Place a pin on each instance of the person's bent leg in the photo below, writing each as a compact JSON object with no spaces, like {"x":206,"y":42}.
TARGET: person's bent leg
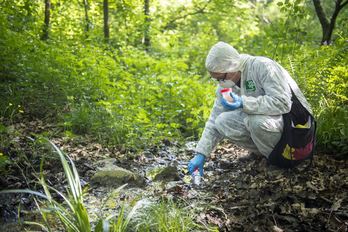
{"x":265,"y":131}
{"x":231,"y":125}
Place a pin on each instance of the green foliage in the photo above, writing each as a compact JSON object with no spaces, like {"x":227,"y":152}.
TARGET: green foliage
{"x":124,"y":96}
{"x":120,"y":99}
{"x":333,"y":113}
{"x":333,"y":130}
{"x":26,"y":79}
{"x":323,"y":76}
{"x":4,"y":143}
{"x":168,"y":216}
{"x":71,"y":213}
{"x":142,"y":100}
{"x":3,"y":162}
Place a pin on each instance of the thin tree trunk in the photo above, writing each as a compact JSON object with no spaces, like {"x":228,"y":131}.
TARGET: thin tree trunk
{"x":86,"y":6}
{"x":147,"y":39}
{"x":326,"y":25}
{"x":46,"y":25}
{"x":106,"y":21}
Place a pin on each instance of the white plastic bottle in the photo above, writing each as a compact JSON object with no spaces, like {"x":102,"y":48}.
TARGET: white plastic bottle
{"x":226,"y":94}
{"x":196,"y":178}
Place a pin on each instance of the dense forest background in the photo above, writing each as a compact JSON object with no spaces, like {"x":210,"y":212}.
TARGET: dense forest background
{"x":131,"y":73}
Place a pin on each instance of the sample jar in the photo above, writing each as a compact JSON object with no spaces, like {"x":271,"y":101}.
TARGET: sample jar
{"x":226,"y":94}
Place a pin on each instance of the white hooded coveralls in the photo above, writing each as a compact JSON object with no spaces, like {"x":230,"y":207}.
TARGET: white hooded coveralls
{"x":266,"y":95}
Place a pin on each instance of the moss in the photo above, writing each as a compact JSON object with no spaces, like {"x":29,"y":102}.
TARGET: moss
{"x":116,"y":177}
{"x":169,"y":173}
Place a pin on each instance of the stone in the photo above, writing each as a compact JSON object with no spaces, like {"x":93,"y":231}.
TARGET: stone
{"x":106,"y":164}
{"x":166,"y":174}
{"x":110,"y":175}
{"x":174,"y":186}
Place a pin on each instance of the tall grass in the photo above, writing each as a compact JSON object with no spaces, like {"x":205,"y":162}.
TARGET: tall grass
{"x":168,"y":216}
{"x":72,"y":213}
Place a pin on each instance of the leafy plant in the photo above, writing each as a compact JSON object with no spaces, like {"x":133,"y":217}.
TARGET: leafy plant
{"x":323,"y":76}
{"x":168,"y":216}
{"x":71,"y":213}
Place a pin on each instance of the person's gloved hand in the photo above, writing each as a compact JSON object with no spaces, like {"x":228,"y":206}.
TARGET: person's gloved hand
{"x":197,"y":162}
{"x":237,"y":102}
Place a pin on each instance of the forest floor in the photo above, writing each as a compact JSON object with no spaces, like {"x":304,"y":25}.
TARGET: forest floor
{"x":236,"y":195}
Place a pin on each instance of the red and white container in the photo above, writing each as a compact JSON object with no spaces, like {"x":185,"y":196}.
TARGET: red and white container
{"x":226,"y":94}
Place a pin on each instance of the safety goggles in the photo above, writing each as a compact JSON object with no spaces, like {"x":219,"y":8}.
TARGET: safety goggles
{"x":219,"y":79}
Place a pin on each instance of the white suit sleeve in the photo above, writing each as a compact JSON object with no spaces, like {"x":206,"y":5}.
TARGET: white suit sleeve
{"x":211,"y":137}
{"x":277,"y":98}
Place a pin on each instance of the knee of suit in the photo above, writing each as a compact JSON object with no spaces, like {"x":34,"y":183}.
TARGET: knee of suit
{"x":255,"y":125}
{"x":263,"y":124}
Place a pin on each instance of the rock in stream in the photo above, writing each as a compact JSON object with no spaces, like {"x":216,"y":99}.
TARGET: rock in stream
{"x":110,"y":175}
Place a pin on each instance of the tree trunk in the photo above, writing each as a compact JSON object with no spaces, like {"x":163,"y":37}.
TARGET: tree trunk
{"x":46,"y":25}
{"x":326,"y":25}
{"x":106,"y":20}
{"x":146,"y":38}
{"x":86,"y":6}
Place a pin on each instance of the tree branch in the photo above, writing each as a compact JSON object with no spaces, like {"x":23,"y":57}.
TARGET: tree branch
{"x":321,"y":14}
{"x":335,"y":14}
{"x":198,"y":11}
{"x":337,"y":10}
{"x":343,"y":4}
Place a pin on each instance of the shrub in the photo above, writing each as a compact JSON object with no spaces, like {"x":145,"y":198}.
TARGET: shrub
{"x":323,"y":76}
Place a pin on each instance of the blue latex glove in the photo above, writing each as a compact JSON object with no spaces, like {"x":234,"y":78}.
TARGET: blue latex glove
{"x":237,"y":102}
{"x":197,"y":162}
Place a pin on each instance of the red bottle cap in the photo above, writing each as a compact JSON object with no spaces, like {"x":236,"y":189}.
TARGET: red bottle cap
{"x":225,"y":90}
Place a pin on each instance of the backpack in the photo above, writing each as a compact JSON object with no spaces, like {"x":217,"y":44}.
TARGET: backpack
{"x":298,"y":139}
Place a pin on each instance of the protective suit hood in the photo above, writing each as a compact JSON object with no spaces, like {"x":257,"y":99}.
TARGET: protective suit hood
{"x":223,"y":58}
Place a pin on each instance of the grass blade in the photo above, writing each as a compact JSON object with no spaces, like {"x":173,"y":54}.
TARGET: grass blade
{"x":36,"y":224}
{"x":36,"y":193}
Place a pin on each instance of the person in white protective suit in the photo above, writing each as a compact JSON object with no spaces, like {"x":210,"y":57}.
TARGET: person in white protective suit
{"x":261,"y":94}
